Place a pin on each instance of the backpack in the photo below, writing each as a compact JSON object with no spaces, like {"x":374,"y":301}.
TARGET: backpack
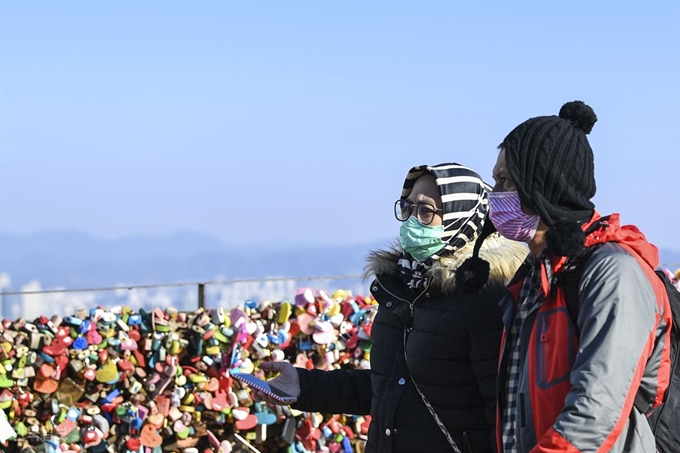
{"x":664,"y":419}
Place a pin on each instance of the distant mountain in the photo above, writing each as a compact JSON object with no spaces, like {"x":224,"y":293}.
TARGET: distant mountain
{"x":77,"y":260}
{"x":670,"y":258}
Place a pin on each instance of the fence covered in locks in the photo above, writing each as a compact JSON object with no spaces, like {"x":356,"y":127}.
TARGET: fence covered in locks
{"x":158,"y":380}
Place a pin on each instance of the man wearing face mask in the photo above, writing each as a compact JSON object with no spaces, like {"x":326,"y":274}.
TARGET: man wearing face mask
{"x":431,"y":386}
{"x":570,"y":376}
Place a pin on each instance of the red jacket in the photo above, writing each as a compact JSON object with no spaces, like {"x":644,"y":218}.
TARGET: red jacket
{"x":578,"y":383}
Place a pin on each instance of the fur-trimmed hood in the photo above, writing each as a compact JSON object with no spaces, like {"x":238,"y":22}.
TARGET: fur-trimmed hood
{"x":504,"y":257}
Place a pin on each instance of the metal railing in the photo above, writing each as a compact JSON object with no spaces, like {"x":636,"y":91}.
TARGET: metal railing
{"x":251,"y":288}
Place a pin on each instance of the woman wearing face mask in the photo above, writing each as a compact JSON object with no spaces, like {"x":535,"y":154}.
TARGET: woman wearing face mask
{"x":431,"y":386}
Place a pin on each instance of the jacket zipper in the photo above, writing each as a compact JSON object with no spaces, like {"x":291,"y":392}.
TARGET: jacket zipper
{"x":544,"y":331}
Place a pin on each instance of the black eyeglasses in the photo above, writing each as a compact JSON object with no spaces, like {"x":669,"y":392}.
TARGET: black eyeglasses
{"x":424,"y":211}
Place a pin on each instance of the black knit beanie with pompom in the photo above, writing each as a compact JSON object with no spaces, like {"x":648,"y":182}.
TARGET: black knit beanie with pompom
{"x":551,"y":163}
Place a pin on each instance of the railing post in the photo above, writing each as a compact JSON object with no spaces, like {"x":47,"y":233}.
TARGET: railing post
{"x":201,"y":295}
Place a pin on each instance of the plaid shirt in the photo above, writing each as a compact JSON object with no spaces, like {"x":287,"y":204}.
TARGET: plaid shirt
{"x":530,"y":297}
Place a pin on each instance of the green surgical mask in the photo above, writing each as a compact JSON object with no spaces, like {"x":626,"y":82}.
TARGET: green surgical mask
{"x":421,"y":241}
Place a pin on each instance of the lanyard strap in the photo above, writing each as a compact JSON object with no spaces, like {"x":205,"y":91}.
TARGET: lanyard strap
{"x":437,"y":420}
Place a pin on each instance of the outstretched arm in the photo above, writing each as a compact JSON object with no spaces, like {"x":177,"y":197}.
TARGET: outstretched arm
{"x":335,"y":392}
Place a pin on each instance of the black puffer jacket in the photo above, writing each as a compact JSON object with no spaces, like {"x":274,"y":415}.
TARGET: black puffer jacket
{"x":452,"y":343}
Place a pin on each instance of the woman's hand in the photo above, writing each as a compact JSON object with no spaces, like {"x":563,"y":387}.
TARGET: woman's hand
{"x":287,"y":380}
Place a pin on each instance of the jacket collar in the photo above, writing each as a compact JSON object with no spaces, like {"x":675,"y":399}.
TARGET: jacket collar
{"x":601,"y":229}
{"x":504,"y":257}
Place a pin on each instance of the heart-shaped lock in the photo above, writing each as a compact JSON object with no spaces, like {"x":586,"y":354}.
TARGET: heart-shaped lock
{"x":304,"y":296}
{"x":24,"y":398}
{"x":128,"y":345}
{"x":264,"y":415}
{"x":133,"y":443}
{"x":126,"y":365}
{"x":219,"y":401}
{"x":134,"y":335}
{"x":337,"y":319}
{"x":90,"y":436}
{"x":212,"y":385}
{"x":20,"y":429}
{"x":324,"y":332}
{"x":57,"y":347}
{"x":5,"y":381}
{"x":304,"y":321}
{"x":178,"y":426}
{"x":207,"y":401}
{"x":163,"y":404}
{"x":93,"y":337}
{"x":240,"y":413}
{"x":183,"y":434}
{"x":61,"y":362}
{"x":334,"y":310}
{"x":247,"y":423}
{"x":149,"y":437}
{"x":156,"y":419}
{"x":108,"y":373}
{"x":64,"y":428}
{"x":62,"y":332}
{"x":175,"y":414}
{"x":45,"y":371}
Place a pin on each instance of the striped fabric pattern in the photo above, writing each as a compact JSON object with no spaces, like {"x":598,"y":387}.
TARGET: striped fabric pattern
{"x":509,"y":219}
{"x":464,"y":202}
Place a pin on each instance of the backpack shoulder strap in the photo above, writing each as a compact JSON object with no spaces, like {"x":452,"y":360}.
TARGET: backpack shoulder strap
{"x":570,"y":277}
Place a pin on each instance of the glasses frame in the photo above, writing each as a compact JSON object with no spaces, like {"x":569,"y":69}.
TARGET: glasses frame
{"x":434,"y":209}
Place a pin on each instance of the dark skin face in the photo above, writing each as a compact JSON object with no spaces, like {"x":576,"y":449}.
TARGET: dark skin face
{"x":504,"y":183}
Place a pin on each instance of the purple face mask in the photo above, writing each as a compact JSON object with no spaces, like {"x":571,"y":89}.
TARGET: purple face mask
{"x":505,"y":212}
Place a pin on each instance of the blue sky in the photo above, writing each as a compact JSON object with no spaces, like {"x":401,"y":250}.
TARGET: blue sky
{"x":261,"y":122}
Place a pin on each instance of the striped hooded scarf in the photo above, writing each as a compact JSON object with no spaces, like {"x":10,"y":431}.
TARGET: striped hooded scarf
{"x":465,"y":205}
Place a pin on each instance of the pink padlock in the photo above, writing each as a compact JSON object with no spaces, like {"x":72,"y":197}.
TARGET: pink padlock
{"x":90,"y":374}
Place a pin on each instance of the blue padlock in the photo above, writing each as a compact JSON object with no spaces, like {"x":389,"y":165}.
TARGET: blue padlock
{"x":72,"y":320}
{"x":79,"y":344}
{"x":347,"y":445}
{"x":109,"y":398}
{"x":85,"y":327}
{"x":136,"y":424}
